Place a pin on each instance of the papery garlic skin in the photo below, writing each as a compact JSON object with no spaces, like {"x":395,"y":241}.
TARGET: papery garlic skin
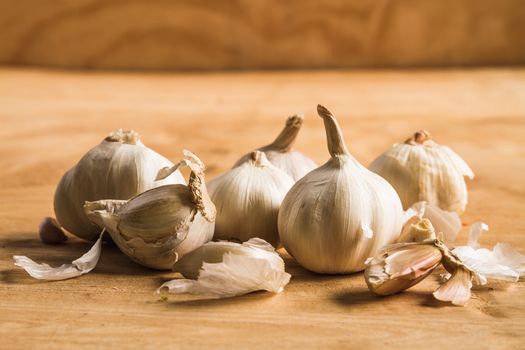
{"x":120,"y":167}
{"x":281,"y":154}
{"x":157,"y":227}
{"x":227,"y":269}
{"x":248,"y":198}
{"x":339,"y":214}
{"x":422,"y":170}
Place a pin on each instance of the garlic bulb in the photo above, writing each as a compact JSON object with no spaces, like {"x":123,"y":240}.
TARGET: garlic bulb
{"x":120,"y":167}
{"x":281,"y":154}
{"x":339,"y":214}
{"x":248,"y":198}
{"x":226,"y":269}
{"x":421,"y":170}
{"x":157,"y":227}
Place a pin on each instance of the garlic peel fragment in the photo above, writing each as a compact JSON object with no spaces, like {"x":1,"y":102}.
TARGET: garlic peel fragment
{"x":456,"y":289}
{"x":80,"y":266}
{"x":227,"y":269}
{"x":501,"y":263}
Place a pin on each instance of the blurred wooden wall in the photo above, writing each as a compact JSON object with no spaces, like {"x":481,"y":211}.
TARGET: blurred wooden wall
{"x":260,"y":34}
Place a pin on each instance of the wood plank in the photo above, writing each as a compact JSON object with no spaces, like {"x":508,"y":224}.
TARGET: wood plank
{"x":49,"y":119}
{"x":261,"y":34}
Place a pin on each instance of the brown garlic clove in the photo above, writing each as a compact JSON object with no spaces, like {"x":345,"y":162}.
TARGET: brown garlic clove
{"x":50,"y":232}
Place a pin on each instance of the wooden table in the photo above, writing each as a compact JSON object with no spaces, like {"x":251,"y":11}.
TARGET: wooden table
{"x":49,"y":119}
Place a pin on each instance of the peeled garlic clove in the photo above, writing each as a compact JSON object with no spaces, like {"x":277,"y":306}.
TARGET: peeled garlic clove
{"x":281,"y":154}
{"x":120,"y":167}
{"x":339,"y":214}
{"x":422,"y":170}
{"x":157,"y":227}
{"x":227,"y":269}
{"x":248,"y":198}
{"x":447,"y":222}
{"x":81,"y":266}
{"x":400,"y":266}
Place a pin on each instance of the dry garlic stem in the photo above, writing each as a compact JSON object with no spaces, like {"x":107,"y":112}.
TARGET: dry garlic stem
{"x":281,"y":154}
{"x":248,"y":198}
{"x":118,"y":168}
{"x":339,"y":214}
{"x":157,"y":227}
{"x":421,"y":170}
{"x":227,"y":269}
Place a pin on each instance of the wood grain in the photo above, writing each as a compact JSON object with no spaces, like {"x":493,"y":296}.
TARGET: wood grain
{"x":261,"y":34}
{"x":48,"y":120}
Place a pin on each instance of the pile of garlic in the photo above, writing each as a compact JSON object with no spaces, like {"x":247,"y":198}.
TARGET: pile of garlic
{"x":337,"y":218}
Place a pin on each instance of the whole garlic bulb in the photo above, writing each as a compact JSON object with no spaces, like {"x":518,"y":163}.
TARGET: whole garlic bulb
{"x":157,"y":227}
{"x":248,"y":198}
{"x":120,"y":167}
{"x":281,"y":154}
{"x":339,"y":214}
{"x":421,"y":170}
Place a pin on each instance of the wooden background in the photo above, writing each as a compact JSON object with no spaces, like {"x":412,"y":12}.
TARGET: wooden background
{"x":260,"y":34}
{"x":49,"y":120}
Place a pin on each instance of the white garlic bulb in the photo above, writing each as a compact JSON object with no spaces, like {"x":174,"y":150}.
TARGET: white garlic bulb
{"x":339,"y":214}
{"x":157,"y":227}
{"x":120,"y":167}
{"x":248,"y":198}
{"x":281,"y":154}
{"x":421,"y":170}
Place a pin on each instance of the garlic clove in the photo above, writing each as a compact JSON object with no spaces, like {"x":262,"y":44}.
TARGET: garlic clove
{"x":447,"y":222}
{"x":227,"y":269}
{"x":281,"y":154}
{"x":157,"y":227}
{"x":247,"y":199}
{"x":422,"y":170}
{"x":80,"y":266}
{"x":50,"y":232}
{"x":120,"y":167}
{"x":400,"y":266}
{"x":339,"y":214}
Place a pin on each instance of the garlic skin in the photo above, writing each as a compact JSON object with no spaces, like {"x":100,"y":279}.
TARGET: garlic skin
{"x":120,"y":167}
{"x":281,"y":154}
{"x":422,"y":170}
{"x":227,"y":269}
{"x":339,"y":214}
{"x":157,"y":227}
{"x":248,"y":198}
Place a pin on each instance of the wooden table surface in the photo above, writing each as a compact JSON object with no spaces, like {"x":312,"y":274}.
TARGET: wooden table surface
{"x":48,"y":120}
